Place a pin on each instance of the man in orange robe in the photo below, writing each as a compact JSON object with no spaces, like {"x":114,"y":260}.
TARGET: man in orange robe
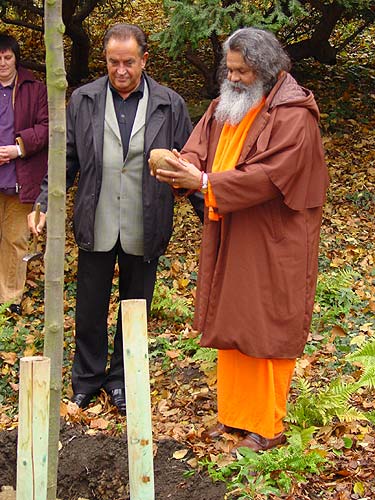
{"x":257,"y":155}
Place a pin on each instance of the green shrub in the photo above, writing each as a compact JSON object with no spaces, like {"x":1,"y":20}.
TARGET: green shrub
{"x":270,"y":472}
{"x":167,"y":305}
{"x":335,"y":298}
{"x":319,"y":405}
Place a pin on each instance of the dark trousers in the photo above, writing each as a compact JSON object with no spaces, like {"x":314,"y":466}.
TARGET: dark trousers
{"x":94,"y":283}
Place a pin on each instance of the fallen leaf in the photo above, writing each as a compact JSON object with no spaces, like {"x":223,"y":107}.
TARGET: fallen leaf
{"x":337,"y":331}
{"x":95,"y":409}
{"x":72,"y":408}
{"x":193,"y":462}
{"x":344,"y":473}
{"x":9,"y":357}
{"x":29,"y":351}
{"x":173,"y":354}
{"x":99,"y":423}
{"x":344,"y":495}
{"x":359,"y":488}
{"x":179,"y":454}
{"x":92,"y":432}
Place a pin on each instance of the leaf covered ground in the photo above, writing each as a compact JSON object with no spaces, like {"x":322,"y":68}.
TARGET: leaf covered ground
{"x":183,"y":377}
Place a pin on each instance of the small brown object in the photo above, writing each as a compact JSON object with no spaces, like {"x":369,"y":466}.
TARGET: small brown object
{"x":256,"y":442}
{"x":157,"y":160}
{"x":217,"y":431}
{"x":34,"y":252}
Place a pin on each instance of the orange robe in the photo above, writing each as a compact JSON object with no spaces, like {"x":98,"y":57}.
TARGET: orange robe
{"x":252,"y":392}
{"x":230,"y":145}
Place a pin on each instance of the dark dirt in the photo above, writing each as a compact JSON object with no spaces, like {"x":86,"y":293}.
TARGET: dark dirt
{"x":96,"y":467}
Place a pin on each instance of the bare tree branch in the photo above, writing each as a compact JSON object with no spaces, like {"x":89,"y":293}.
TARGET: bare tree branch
{"x":198,"y":63}
{"x":354,"y":35}
{"x":86,"y":10}
{"x":209,"y":73}
{"x":39,"y":11}
{"x":18,"y":22}
{"x":33,"y":65}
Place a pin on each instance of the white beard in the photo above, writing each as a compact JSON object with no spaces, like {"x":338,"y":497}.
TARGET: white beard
{"x":236,"y":99}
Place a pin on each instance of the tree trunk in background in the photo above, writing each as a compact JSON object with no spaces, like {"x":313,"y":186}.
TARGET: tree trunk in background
{"x":30,"y":15}
{"x":79,"y":55}
{"x":318,"y":46}
{"x":73,"y":19}
{"x":54,"y":259}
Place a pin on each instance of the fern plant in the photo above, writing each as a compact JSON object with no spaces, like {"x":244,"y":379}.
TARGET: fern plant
{"x":365,"y":356}
{"x":318,"y":406}
{"x":271,"y":472}
{"x":3,"y":308}
{"x":167,"y":305}
{"x":335,"y":298}
{"x":205,"y":355}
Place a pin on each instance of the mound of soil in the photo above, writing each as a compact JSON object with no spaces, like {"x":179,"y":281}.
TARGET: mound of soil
{"x":95,"y":467}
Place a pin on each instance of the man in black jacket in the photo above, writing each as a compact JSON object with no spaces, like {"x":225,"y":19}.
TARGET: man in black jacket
{"x":121,"y":213}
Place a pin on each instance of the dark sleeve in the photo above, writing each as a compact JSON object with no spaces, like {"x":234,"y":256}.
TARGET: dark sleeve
{"x":72,"y":162}
{"x":196,"y":148}
{"x":35,"y":138}
{"x":197,"y":201}
{"x":182,"y":132}
{"x":183,"y":126}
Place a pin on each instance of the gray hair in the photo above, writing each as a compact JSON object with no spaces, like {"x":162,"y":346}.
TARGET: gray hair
{"x":123,"y":31}
{"x":261,"y":51}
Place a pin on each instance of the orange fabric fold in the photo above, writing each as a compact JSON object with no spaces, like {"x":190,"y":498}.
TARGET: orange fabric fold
{"x":252,"y":392}
{"x":228,"y":151}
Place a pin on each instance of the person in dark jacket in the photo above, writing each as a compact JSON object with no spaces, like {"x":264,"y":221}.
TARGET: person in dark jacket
{"x":121,"y":213}
{"x":23,"y":164}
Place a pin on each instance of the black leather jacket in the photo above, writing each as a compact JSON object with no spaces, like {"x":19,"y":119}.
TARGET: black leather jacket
{"x":167,"y":126}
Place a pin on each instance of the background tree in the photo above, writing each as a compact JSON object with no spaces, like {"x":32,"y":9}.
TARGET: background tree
{"x":306,"y":27}
{"x":315,"y":28}
{"x":29,"y":14}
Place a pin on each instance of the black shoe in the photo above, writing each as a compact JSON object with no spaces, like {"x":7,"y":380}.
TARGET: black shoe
{"x":81,"y":399}
{"x":15,"y":309}
{"x":117,"y":397}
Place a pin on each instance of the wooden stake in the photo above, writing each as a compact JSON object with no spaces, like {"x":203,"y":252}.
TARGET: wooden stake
{"x":138,"y":400}
{"x":32,"y":449}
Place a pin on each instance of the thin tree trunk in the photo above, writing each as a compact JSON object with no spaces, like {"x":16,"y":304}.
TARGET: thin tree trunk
{"x":318,"y":45}
{"x":54,"y":259}
{"x":80,"y":51}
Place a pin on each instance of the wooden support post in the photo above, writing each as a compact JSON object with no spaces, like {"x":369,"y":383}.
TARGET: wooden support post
{"x":32,"y":449}
{"x":138,"y":399}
